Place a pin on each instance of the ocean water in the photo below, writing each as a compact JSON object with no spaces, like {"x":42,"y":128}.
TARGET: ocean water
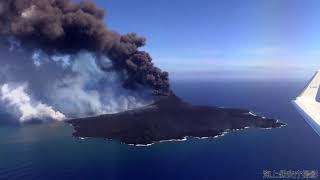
{"x":48,"y":151}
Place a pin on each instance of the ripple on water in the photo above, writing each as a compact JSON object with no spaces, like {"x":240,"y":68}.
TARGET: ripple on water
{"x":22,"y":170}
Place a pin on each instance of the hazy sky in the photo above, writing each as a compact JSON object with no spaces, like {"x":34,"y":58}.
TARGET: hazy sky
{"x":215,"y":37}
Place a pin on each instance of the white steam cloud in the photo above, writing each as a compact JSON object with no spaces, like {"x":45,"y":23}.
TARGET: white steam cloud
{"x":29,"y":12}
{"x":91,"y":91}
{"x":18,"y":100}
{"x":35,"y":85}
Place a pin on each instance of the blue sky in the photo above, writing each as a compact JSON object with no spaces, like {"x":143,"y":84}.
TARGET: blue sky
{"x":241,"y":38}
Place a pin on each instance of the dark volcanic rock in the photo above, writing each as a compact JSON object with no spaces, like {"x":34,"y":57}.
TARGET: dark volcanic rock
{"x":168,"y":118}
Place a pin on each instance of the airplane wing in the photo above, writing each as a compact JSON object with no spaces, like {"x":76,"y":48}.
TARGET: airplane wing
{"x":307,"y":104}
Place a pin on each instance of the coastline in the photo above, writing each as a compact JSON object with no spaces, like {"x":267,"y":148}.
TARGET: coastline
{"x":186,"y":138}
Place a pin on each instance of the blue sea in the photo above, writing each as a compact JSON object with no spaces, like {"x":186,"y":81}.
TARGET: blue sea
{"x":48,"y":151}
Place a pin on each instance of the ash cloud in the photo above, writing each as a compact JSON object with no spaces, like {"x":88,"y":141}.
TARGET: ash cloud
{"x":66,"y":27}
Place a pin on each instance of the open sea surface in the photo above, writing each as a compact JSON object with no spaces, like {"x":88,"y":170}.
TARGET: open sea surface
{"x":48,"y":151}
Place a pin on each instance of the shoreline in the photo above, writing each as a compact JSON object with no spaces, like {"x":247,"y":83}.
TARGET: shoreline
{"x":186,"y":138}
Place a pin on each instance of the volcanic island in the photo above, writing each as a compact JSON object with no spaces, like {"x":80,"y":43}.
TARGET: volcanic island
{"x":167,"y":119}
{"x":68,"y":27}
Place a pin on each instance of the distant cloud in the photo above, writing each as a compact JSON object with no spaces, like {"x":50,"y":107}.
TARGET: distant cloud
{"x":268,"y":61}
{"x":267,"y":51}
{"x":261,"y":51}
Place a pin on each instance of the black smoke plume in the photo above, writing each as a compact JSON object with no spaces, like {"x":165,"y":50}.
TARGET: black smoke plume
{"x":67,"y":27}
